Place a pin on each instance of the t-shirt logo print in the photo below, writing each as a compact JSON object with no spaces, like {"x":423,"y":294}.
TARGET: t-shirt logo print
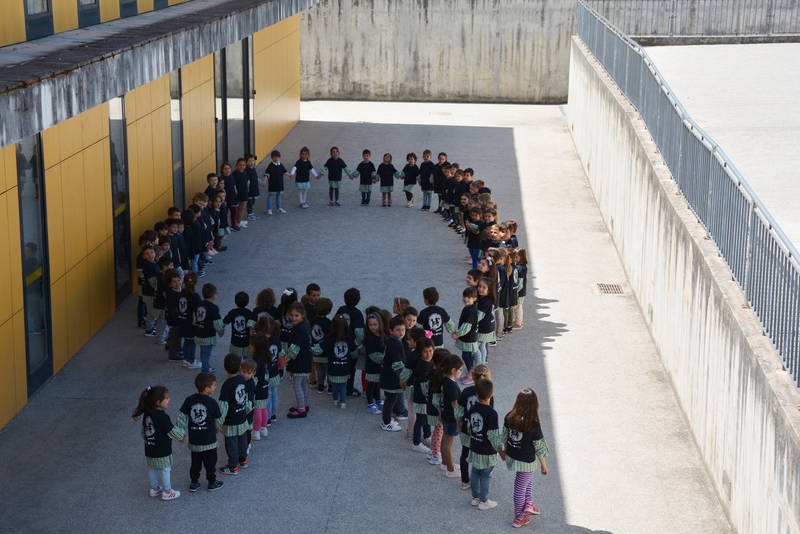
{"x":471,"y":401}
{"x":239,"y":324}
{"x":435,"y":322}
{"x":476,"y":421}
{"x":183,"y":305}
{"x":514,"y":436}
{"x":200,"y":314}
{"x":149,"y":429}
{"x":273,"y":350}
{"x":346,"y":318}
{"x":317,"y":333}
{"x":287,"y":323}
{"x":198,"y":414}
{"x":340,"y":349}
{"x":240,"y":394}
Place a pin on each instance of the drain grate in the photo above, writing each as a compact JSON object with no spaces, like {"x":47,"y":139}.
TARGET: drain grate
{"x":610,"y":289}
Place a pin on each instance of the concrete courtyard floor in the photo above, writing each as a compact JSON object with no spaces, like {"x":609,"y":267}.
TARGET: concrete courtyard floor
{"x":622,"y":458}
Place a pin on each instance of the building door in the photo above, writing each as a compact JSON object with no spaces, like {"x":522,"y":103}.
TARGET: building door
{"x":123,"y":266}
{"x":35,"y":261}
{"x":38,"y":19}
{"x":233,"y":93}
{"x":88,"y":13}
{"x":128,"y":8}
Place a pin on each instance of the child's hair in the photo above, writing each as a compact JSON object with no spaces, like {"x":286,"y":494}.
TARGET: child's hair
{"x":366,"y":152}
{"x":438,"y":357}
{"x":263,"y":325}
{"x":275,"y":154}
{"x":288,"y":297}
{"x":456,"y":166}
{"x":525,"y":411}
{"x":450,"y":363}
{"x":223,"y":165}
{"x":265,"y":298}
{"x":492,"y":274}
{"x":410,"y":310}
{"x":195,"y":209}
{"x":443,"y":154}
{"x":296,"y":306}
{"x":478,"y":183}
{"x":249,"y":366}
{"x":314,"y":287}
{"x":459,"y":172}
{"x":143,"y":239}
{"x":323,"y":307}
{"x":210,"y":175}
{"x":249,"y":156}
{"x":204,"y":380}
{"x":232,"y":363}
{"x":476,"y":209}
{"x":148,"y":400}
{"x":476,"y":274}
{"x":416,"y":334}
{"x":386,"y":316}
{"x":152,"y":235}
{"x":173,"y":210}
{"x":396,"y":321}
{"x":470,"y":292}
{"x":484,"y":197}
{"x":426,"y":152}
{"x":390,"y":157}
{"x":190,"y":282}
{"x":469,"y":171}
{"x":446,"y":166}
{"x":352,"y":297}
{"x":411,"y":155}
{"x":159,"y":252}
{"x":334,"y":148}
{"x":339,"y":329}
{"x":522,"y":254}
{"x":484,"y":389}
{"x":202,"y":197}
{"x":485,"y":191}
{"x":381,"y":327}
{"x":491,"y":289}
{"x":261,"y":354}
{"x":164,"y":261}
{"x":161,"y":241}
{"x":209,"y":290}
{"x":502,"y":227}
{"x":187,"y":216}
{"x":500,"y":256}
{"x":306,"y":150}
{"x":240,"y":160}
{"x":424,"y":342}
{"x":399,"y":304}
{"x":241,"y":299}
{"x":430,"y":295}
{"x":170,"y":275}
{"x":160,"y":225}
{"x":480,"y":370}
{"x":512,"y":225}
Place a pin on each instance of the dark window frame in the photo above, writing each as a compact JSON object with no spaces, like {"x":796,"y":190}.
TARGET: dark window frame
{"x":38,"y":25}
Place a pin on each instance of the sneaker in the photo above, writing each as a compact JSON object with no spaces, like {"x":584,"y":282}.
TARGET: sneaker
{"x":297,"y":415}
{"x":255,"y":436}
{"x":269,"y":212}
{"x":342,"y":405}
{"x":467,"y":381}
{"x":294,"y":409}
{"x":321,"y":388}
{"x":436,"y":460}
{"x":420,"y":448}
{"x":194,"y":365}
{"x":330,"y":390}
{"x":388,"y":204}
{"x":194,"y":486}
{"x":465,"y":486}
{"x":530,"y":509}
{"x":175,"y":358}
{"x":208,"y":262}
{"x":236,"y":229}
{"x":488,"y":505}
{"x":521,"y":522}
{"x":273,"y":418}
{"x":252,"y":216}
{"x":336,"y":403}
{"x":141,"y":325}
{"x":379,"y":403}
{"x":243,"y":464}
{"x":243,"y":224}
{"x":161,"y":342}
{"x":201,"y":274}
{"x":210,"y":369}
{"x":156,"y":492}
{"x":455,"y":473}
{"x":331,"y":202}
{"x":391,"y":427}
{"x":493,"y":343}
{"x":518,"y":327}
{"x":400,"y":417}
{"x":304,"y":206}
{"x":426,"y":442}
{"x":373,"y":408}
{"x":150,"y":333}
{"x":409,"y":204}
{"x":215,"y":486}
{"x":355,"y":393}
{"x":170,"y":494}
{"x":264,"y":432}
{"x":475,"y":501}
{"x":233,"y":471}
{"x":336,"y":202}
{"x":281,"y":210}
{"x":185,"y":363}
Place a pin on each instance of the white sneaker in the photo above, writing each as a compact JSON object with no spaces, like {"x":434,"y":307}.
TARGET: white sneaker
{"x":343,"y":405}
{"x":391,"y":427}
{"x":410,"y":204}
{"x":475,"y":501}
{"x":168,"y":495}
{"x":264,"y":432}
{"x":281,"y":210}
{"x":243,"y":224}
{"x":420,"y":448}
{"x":336,"y":403}
{"x":255,"y":436}
{"x":488,"y":505}
{"x":269,"y":212}
{"x":195,"y":365}
{"x":156,"y":492}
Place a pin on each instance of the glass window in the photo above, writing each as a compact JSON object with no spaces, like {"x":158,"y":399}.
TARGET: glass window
{"x":219,"y":95}
{"x":36,"y":286}
{"x":36,"y":7}
{"x":251,"y":96}
{"x":87,"y":2}
{"x":234,"y":102}
{"x":178,"y":189}
{"x":234,"y":98}
{"x":119,"y":199}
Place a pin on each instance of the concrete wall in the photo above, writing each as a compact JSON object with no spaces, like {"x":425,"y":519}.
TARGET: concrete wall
{"x":437,"y":50}
{"x":741,"y":406}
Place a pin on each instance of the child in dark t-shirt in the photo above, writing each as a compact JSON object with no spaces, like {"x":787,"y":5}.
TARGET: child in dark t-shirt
{"x":201,"y":418}
{"x":233,"y":406}
{"x":242,"y":322}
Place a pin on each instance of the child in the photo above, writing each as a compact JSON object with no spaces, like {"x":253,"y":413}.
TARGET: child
{"x":212,"y":180}
{"x":513,"y":288}
{"x":219,"y":212}
{"x":445,"y":380}
{"x":242,"y":186}
{"x":233,"y":407}
{"x":201,"y":414}
{"x":467,"y":334}
{"x":386,"y":172}
{"x":422,"y":427}
{"x":333,"y":168}
{"x":439,"y":179}
{"x":485,"y":440}
{"x":259,"y":346}
{"x":433,"y":399}
{"x":288,"y":297}
{"x":399,"y":304}
{"x":298,"y":352}
{"x":313,"y":294}
{"x":173,"y":282}
{"x":524,"y":445}
{"x":466,"y":400}
{"x":500,"y":260}
{"x":242,"y":322}
{"x":412,"y":337}
{"x":320,"y":327}
{"x":187,"y":304}
{"x":276,"y":353}
{"x":521,"y":259}
{"x":253,"y":191}
{"x":394,"y":358}
{"x":366,"y":173}
{"x":486,"y":327}
{"x":273,"y":175}
{"x":410,"y":175}
{"x":193,"y":239}
{"x":160,"y":300}
{"x":510,"y":237}
{"x":302,"y":172}
{"x":158,"y":431}
{"x":475,"y":275}
{"x":374,"y":343}
{"x":425,"y":179}
{"x":227,"y":179}
{"x":207,"y":321}
{"x":355,"y":319}
{"x":474,"y":227}
{"x":435,"y":318}
{"x":248,"y":371}
{"x":447,"y":190}
{"x":338,"y":348}
{"x":265,"y":304}
{"x":147,"y":269}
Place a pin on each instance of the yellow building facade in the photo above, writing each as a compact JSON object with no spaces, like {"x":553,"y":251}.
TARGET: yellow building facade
{"x":75,"y":197}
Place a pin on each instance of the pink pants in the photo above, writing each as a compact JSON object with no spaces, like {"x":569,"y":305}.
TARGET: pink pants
{"x":436,"y":440}
{"x":260,"y":418}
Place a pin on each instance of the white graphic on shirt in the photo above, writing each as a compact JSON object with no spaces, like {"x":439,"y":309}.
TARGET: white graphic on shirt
{"x":346,"y":318}
{"x":340,"y":349}
{"x":198,"y":413}
{"x":287,"y":323}
{"x":476,"y":422}
{"x":240,"y":324}
{"x":261,"y":314}
{"x":515,"y":276}
{"x":317,"y":333}
{"x":514,"y":436}
{"x":149,"y":429}
{"x":435,"y":322}
{"x":200,"y":314}
{"x":240,"y":394}
{"x":183,"y":304}
{"x":274,"y":350}
{"x":471,"y":401}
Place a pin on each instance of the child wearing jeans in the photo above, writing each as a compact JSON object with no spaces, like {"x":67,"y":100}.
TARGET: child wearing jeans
{"x":485,"y":440}
{"x":273,"y":175}
{"x":207,"y":322}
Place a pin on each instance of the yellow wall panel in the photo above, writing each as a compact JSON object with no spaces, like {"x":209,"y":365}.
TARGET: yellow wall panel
{"x":14,"y":252}
{"x":162,"y":204}
{"x":98,"y":205}
{"x":143,"y":100}
{"x":92,"y":125}
{"x":133,"y":170}
{"x":100,"y":269}
{"x":70,"y":137}
{"x":55,"y":222}
{"x":78,"y":299}
{"x":135,"y":233}
{"x":162,"y":150}
{"x":20,"y":365}
{"x":7,"y":240}
{"x":106,"y":144}
{"x":12,"y":23}
{"x":73,"y":196}
{"x":145,"y":5}
{"x":109,"y":10}
{"x":131,"y":114}
{"x":59,"y":330}
{"x":65,"y":15}
{"x":144,"y":136}
{"x":8,"y":386}
{"x":8,"y":168}
{"x":52,"y":147}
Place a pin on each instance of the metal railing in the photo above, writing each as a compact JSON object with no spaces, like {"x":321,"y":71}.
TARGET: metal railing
{"x":762,"y":259}
{"x":701,"y":18}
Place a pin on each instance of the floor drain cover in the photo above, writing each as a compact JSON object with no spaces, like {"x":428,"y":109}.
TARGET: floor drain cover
{"x":610,"y":289}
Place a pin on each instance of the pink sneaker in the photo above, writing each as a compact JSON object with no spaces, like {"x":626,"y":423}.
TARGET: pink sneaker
{"x":521,"y":522}
{"x":530,"y":509}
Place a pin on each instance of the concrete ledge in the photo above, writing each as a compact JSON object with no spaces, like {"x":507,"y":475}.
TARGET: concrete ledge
{"x":741,"y":406}
{"x":49,"y":80}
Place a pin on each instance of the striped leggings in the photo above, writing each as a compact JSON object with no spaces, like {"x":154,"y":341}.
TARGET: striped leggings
{"x":523,"y":483}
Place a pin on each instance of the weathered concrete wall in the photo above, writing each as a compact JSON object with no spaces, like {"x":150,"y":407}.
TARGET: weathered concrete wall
{"x":742,"y":408}
{"x":437,"y":50}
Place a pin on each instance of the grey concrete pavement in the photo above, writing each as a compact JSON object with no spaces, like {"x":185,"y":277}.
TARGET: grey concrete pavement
{"x":622,"y":459}
{"x":746,"y":98}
